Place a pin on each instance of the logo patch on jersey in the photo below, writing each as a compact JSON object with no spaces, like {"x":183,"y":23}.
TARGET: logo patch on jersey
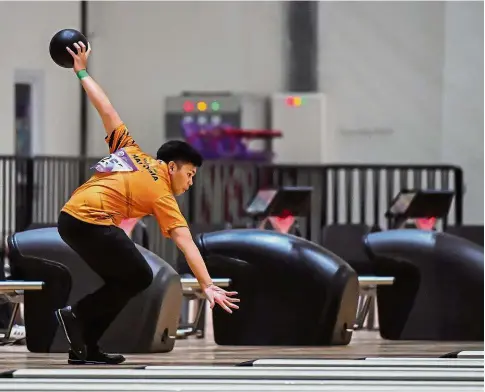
{"x":119,"y":161}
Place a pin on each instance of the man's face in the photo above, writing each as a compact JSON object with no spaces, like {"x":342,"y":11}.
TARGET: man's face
{"x":181,"y":175}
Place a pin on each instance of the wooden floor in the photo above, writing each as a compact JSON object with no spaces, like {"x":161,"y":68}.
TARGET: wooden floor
{"x":194,"y":351}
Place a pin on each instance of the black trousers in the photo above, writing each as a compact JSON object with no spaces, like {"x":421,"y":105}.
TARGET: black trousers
{"x":114,"y":257}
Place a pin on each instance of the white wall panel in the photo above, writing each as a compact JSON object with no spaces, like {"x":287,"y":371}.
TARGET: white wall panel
{"x":26,"y":29}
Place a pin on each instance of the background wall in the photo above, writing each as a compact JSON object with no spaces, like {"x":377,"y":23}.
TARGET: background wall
{"x":462,"y":100}
{"x":404,"y":80}
{"x":164,"y":48}
{"x":405,"y":84}
{"x":26,"y":29}
{"x":381,"y":66}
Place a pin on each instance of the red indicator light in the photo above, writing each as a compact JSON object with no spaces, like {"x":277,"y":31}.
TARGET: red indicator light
{"x":188,"y":106}
{"x":290,"y":101}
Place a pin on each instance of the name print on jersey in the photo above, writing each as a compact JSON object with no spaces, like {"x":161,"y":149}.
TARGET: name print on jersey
{"x":145,"y":165}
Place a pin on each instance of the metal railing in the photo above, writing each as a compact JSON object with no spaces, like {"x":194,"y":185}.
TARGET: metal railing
{"x":33,"y":190}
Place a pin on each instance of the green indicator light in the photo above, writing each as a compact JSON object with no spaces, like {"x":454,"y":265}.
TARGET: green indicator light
{"x":215,"y":106}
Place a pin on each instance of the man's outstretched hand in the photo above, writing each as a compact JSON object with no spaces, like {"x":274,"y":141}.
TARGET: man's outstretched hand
{"x":225,"y":299}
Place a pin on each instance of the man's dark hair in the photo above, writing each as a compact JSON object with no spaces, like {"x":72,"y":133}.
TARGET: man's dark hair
{"x":179,"y":151}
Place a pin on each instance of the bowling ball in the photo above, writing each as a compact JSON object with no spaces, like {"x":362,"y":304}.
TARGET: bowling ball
{"x":59,"y":41}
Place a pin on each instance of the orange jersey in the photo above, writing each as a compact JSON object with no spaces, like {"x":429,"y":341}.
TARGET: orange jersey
{"x":127,"y":184}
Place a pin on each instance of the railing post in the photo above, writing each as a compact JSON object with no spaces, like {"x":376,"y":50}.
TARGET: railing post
{"x":459,"y":193}
{"x":30,"y":193}
{"x":23,"y":183}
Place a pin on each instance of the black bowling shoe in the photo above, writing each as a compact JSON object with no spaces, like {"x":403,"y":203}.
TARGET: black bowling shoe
{"x":96,"y":357}
{"x":73,"y":330}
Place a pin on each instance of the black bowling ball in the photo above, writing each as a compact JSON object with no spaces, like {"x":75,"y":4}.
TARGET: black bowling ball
{"x":59,"y":41}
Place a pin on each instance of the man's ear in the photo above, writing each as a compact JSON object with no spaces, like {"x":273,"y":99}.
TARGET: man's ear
{"x":171,"y":167}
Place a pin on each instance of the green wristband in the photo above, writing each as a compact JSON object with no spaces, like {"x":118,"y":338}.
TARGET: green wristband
{"x":82,"y":74}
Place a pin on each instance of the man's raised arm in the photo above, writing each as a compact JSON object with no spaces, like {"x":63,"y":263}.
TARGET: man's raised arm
{"x":109,"y":116}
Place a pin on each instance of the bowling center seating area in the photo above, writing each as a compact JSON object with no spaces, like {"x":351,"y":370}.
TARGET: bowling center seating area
{"x":351,"y":277}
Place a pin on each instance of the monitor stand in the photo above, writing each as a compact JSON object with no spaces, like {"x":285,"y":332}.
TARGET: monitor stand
{"x":419,"y":208}
{"x":278,"y":208}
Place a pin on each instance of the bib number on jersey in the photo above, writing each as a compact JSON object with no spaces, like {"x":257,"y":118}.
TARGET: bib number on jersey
{"x":119,"y":161}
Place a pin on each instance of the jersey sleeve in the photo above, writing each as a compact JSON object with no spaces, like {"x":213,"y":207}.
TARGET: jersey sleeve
{"x":168,"y":215}
{"x":119,"y":138}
